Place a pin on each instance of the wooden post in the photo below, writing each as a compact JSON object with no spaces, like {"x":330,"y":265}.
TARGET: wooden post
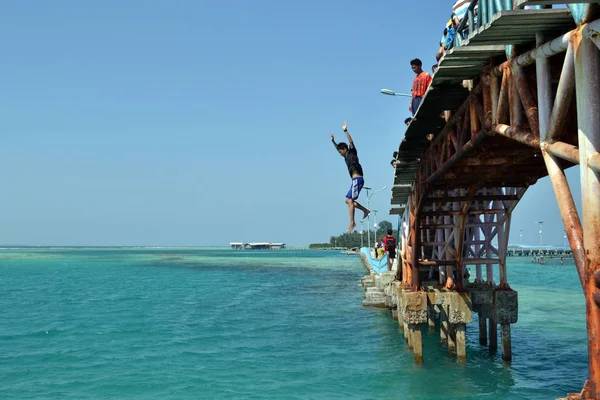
{"x":506,"y":345}
{"x":482,"y":330}
{"x":417,"y":342}
{"x":461,"y":342}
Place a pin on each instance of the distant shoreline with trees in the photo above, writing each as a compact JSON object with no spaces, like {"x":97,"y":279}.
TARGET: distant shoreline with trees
{"x":352,"y":239}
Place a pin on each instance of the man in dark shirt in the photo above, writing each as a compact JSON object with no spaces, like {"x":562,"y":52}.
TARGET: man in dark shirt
{"x":356,"y":173}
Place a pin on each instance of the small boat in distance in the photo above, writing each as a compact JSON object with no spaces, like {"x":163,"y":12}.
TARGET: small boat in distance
{"x":352,"y":251}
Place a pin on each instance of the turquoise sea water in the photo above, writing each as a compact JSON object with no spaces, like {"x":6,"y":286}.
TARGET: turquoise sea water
{"x":223,"y":324}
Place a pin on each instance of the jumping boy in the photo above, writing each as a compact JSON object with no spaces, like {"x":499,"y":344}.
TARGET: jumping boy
{"x":356,"y":173}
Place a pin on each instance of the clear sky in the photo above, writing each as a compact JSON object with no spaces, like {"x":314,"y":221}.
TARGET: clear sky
{"x":205,"y":122}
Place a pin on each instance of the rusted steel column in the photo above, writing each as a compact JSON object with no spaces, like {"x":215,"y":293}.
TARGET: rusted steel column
{"x":449,"y":284}
{"x":517,"y":117}
{"x":564,"y":198}
{"x":506,"y":342}
{"x":587,"y":81}
{"x":482,"y":330}
{"x":411,"y":241}
{"x":568,"y":211}
{"x":416,"y":250}
{"x":475,"y":125}
{"x":494,"y":94}
{"x":503,"y":232}
{"x":502,"y":110}
{"x":562,"y":150}
{"x":527,"y":99}
{"x":544,"y":89}
{"x":478,"y":272}
{"x":459,"y":234}
{"x":564,"y":96}
{"x":487,"y":99}
{"x":493,"y":329}
{"x":487,"y":233}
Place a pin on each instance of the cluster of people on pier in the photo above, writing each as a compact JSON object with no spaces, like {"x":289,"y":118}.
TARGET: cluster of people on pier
{"x":387,"y":245}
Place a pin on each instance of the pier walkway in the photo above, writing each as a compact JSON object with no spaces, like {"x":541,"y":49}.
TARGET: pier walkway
{"x":516,"y":99}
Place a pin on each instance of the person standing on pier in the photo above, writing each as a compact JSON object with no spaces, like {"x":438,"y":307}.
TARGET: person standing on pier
{"x":389,"y":243}
{"x":348,"y":151}
{"x":420,"y":85}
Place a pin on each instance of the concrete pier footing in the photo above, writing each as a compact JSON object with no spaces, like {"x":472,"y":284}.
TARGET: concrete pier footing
{"x":415,"y":309}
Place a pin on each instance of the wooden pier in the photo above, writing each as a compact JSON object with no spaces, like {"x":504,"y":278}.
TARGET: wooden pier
{"x":516,"y":99}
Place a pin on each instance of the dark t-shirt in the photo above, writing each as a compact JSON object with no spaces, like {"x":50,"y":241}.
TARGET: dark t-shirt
{"x":352,"y":162}
{"x":389,"y":243}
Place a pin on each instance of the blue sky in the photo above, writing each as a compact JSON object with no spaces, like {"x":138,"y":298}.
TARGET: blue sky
{"x":202,"y":122}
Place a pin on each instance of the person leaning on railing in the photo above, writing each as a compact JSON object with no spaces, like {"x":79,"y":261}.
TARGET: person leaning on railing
{"x":449,"y":34}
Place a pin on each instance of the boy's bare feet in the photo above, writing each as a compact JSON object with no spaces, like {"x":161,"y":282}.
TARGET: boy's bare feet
{"x":352,"y":226}
{"x":366,"y":213}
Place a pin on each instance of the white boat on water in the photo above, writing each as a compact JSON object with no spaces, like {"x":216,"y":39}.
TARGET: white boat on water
{"x":352,"y":251}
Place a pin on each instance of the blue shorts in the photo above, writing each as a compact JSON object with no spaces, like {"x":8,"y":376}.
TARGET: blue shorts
{"x":357,"y":185}
{"x":416,"y":102}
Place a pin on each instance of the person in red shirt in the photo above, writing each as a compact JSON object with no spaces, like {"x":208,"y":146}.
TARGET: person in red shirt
{"x":389,"y":244}
{"x":420,"y":85}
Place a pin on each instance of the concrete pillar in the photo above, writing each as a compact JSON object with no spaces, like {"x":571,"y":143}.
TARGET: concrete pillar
{"x":400,"y":317}
{"x":417,"y":342}
{"x":409,"y":337}
{"x":482,"y":330}
{"x":493,"y":334}
{"x":451,"y":338}
{"x":431,"y":317}
{"x":406,"y":332}
{"x":461,"y":342}
{"x":443,"y":324}
{"x":506,"y":345}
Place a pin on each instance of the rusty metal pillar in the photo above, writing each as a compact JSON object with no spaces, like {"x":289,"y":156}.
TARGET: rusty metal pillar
{"x":587,"y":83}
{"x":552,"y":118}
{"x":449,"y":284}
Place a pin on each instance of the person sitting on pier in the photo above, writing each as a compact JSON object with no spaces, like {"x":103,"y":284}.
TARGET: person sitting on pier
{"x":380,"y":250}
{"x":449,"y":34}
{"x":356,"y":173}
{"x":389,"y":243}
{"x":420,"y":85}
